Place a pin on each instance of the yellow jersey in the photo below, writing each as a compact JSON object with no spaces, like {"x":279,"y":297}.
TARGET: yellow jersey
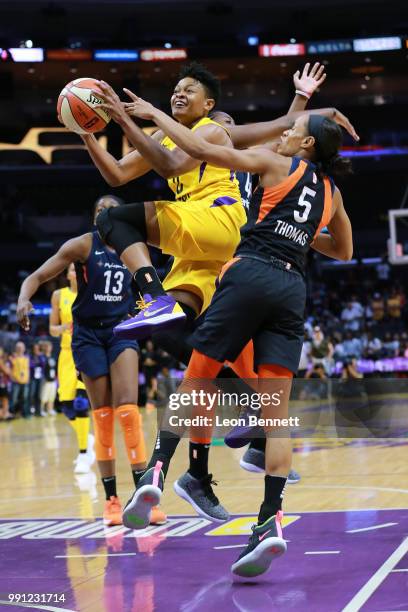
{"x":67,"y":298}
{"x":20,"y":369}
{"x":205,"y":182}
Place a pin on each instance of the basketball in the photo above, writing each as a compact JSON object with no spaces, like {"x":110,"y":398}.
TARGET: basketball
{"x":79,"y":107}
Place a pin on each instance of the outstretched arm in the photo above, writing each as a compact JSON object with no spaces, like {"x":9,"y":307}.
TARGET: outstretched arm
{"x":164,"y":162}
{"x":251,"y":160}
{"x":73,"y":250}
{"x":338,"y":243}
{"x":258,"y":133}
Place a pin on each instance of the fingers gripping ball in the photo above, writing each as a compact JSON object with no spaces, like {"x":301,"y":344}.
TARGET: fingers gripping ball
{"x":79,"y":106}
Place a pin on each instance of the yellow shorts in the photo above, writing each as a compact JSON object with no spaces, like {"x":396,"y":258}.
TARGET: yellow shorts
{"x":202,"y":238}
{"x":68,"y":382}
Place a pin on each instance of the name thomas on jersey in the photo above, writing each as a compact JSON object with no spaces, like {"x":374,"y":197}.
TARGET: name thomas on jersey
{"x":291,"y":232}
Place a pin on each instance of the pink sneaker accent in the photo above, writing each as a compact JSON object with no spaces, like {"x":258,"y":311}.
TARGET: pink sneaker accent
{"x":156,"y":473}
{"x":278,"y":521}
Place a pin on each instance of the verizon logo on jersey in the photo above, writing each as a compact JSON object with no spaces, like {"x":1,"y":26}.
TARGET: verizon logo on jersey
{"x":291,"y":232}
{"x":100,"y":297}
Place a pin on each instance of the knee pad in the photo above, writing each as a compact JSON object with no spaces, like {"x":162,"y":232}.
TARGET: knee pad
{"x":122,"y":226}
{"x":103,"y":419}
{"x":81,"y":406}
{"x":131,"y":423}
{"x":68,"y":409}
{"x":104,"y":224}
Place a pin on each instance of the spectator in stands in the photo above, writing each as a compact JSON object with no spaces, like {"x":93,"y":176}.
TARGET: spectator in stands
{"x":322,"y":349}
{"x":49,"y":387}
{"x":395,"y":302}
{"x":390,"y":345}
{"x":5,"y":372}
{"x":377,"y":308}
{"x":372,"y":346}
{"x":383,"y":270}
{"x":20,"y":377}
{"x":37,"y":362}
{"x":352,"y":346}
{"x":352,"y":315}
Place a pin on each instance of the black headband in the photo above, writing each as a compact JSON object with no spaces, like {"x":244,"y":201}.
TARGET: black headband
{"x":324,"y":150}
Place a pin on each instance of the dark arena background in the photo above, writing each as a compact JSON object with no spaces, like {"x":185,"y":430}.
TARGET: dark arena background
{"x":346,"y":516}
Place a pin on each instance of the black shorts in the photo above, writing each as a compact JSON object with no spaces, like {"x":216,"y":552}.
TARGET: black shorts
{"x":4,"y":392}
{"x":260,"y":300}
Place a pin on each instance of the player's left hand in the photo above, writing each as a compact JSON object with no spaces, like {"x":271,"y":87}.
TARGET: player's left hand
{"x":24,"y":307}
{"x":112,"y":102}
{"x":310,"y":79}
{"x":138,"y":107}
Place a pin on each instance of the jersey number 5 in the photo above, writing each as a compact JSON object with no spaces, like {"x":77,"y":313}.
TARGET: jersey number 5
{"x":302,"y":216}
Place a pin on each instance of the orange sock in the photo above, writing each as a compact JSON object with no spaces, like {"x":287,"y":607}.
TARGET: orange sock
{"x":130,"y":420}
{"x":103,"y":419}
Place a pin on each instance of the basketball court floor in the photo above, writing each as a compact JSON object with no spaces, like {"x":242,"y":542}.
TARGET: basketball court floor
{"x":346,"y":526}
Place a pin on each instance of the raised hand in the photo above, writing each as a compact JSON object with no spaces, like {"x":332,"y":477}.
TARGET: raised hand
{"x":310,"y":79}
{"x":138,"y":107}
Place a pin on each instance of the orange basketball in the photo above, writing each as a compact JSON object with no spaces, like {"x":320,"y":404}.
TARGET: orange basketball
{"x":79,"y":106}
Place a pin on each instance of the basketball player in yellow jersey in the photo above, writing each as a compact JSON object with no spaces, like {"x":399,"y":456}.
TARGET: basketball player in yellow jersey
{"x":201,"y":229}
{"x":74,"y":404}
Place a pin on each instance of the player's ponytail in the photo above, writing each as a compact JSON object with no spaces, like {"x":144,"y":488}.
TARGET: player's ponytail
{"x":336,"y":166}
{"x":328,"y":140}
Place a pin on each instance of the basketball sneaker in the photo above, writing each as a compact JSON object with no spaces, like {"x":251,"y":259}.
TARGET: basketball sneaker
{"x":265,"y":544}
{"x":137,"y":512}
{"x":82,"y":464}
{"x":199,"y":493}
{"x":241,"y":435}
{"x":112,"y":513}
{"x":253,"y":460}
{"x":157,"y":516}
{"x":161,"y":312}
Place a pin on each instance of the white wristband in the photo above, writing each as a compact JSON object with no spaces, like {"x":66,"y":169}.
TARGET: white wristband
{"x":303,"y":93}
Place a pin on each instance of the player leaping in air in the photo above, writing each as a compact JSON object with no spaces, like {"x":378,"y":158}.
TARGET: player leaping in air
{"x":201,"y":228}
{"x":261,"y":294}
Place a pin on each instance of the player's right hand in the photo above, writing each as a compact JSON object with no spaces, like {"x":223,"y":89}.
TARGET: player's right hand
{"x":24,"y":307}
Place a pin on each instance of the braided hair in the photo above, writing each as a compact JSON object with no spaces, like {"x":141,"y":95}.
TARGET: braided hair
{"x":328,"y":139}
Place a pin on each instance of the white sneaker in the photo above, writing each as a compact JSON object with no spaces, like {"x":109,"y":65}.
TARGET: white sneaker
{"x":90,"y":453}
{"x":82,"y":464}
{"x":52,"y":412}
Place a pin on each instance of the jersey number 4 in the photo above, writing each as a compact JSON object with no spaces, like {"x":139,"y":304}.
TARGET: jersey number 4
{"x":302,"y":216}
{"x":117,"y":279}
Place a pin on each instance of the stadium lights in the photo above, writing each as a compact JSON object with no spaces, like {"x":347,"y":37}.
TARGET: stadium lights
{"x":117,"y":55}
{"x":22,"y":54}
{"x":253,"y":41}
{"x":384,"y":43}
